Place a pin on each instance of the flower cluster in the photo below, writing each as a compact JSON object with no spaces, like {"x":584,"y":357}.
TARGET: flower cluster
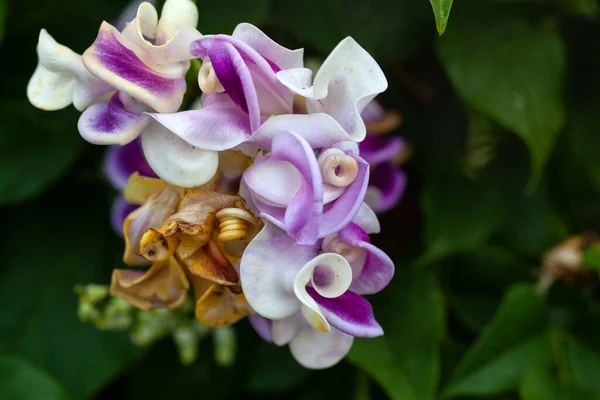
{"x":255,"y":199}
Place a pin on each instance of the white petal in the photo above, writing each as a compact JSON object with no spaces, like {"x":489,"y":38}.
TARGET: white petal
{"x":330,"y":276}
{"x":367,"y":220}
{"x":284,"y":330}
{"x":274,"y":182}
{"x":174,"y":15}
{"x":176,"y":161}
{"x":318,"y":350}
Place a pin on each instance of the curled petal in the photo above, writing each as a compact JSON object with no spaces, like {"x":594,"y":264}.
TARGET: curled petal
{"x":267,"y":271}
{"x":339,"y":213}
{"x":319,"y":350}
{"x":346,"y":82}
{"x":61,"y":79}
{"x":128,"y":67}
{"x":164,"y":285}
{"x":120,"y":162}
{"x":150,"y":215}
{"x":330,"y":275}
{"x":113,"y":121}
{"x":174,"y":15}
{"x":176,"y":161}
{"x":154,"y":246}
{"x":377,"y":270}
{"x":350,"y":313}
{"x":218,"y":305}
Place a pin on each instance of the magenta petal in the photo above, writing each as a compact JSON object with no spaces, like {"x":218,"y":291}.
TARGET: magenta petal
{"x":262,"y":326}
{"x":350,"y":313}
{"x":122,"y":161}
{"x":119,"y":211}
{"x":390,"y":183}
{"x":339,"y":213}
{"x":112,"y":121}
{"x":378,"y":268}
{"x":379,"y":149}
{"x":218,"y":125}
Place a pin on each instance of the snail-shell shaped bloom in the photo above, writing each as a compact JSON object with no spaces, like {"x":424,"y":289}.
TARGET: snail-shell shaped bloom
{"x":346,"y":82}
{"x":301,"y":193}
{"x":281,"y":278}
{"x":60,"y":78}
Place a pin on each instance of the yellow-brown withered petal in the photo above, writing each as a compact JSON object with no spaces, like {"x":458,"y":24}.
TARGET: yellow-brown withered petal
{"x":219,"y":305}
{"x":139,"y":188}
{"x":155,"y":246}
{"x":164,"y":285}
{"x":209,"y":262}
{"x":151,"y":214}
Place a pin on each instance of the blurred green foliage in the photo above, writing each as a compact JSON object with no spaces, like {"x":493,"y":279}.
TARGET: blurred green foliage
{"x":502,"y":112}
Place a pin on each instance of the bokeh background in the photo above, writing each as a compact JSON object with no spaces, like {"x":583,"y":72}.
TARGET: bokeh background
{"x":503,"y":114}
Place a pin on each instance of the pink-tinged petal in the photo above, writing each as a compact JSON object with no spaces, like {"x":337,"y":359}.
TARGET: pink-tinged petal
{"x":372,"y":112}
{"x":319,"y":130}
{"x":113,"y":121}
{"x":346,"y":82}
{"x":379,"y":149}
{"x":119,"y":211}
{"x":378,"y":268}
{"x":388,"y":183}
{"x":340,"y":212}
{"x":330,"y":275}
{"x":128,"y":67}
{"x":122,"y":161}
{"x":176,"y":161}
{"x":282,"y":57}
{"x":267,"y":268}
{"x":61,"y":79}
{"x":218,"y":125}
{"x":262,"y":326}
{"x":350,"y":313}
{"x":319,"y":350}
{"x":367,"y":220}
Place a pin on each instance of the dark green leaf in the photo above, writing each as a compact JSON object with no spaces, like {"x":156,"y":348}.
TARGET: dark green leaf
{"x":2,"y":18}
{"x":514,"y":342}
{"x":584,"y":365}
{"x":405,"y":362}
{"x":511,"y":70}
{"x":62,"y":240}
{"x":34,"y":152}
{"x":21,"y":380}
{"x":539,"y":384}
{"x":441,"y":10}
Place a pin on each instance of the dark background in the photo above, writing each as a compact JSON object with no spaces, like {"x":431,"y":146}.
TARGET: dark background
{"x":503,"y":114}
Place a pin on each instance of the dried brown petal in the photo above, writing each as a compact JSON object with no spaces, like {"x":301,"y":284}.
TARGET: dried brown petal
{"x":219,"y":305}
{"x":209,"y":262}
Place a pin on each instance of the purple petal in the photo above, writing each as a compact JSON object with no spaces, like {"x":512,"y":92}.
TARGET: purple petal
{"x":262,"y":326}
{"x":111,"y":121}
{"x":378,"y":268}
{"x":350,"y":313}
{"x":119,"y":211}
{"x":112,"y":61}
{"x":372,"y":112}
{"x":218,"y":125}
{"x":339,"y":213}
{"x":379,"y":149}
{"x":122,"y":161}
{"x":389,"y":183}
{"x":268,"y":286}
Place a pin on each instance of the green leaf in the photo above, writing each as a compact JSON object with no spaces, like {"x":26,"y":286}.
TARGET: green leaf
{"x":21,"y":380}
{"x":539,"y":384}
{"x":441,"y":10}
{"x":591,"y":257}
{"x":511,"y":70}
{"x":2,"y":18}
{"x":458,"y":222}
{"x":61,"y":240}
{"x":34,"y":151}
{"x":395,"y":29}
{"x":224,"y":16}
{"x":584,"y":365}
{"x":405,"y":362}
{"x":514,"y":342}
